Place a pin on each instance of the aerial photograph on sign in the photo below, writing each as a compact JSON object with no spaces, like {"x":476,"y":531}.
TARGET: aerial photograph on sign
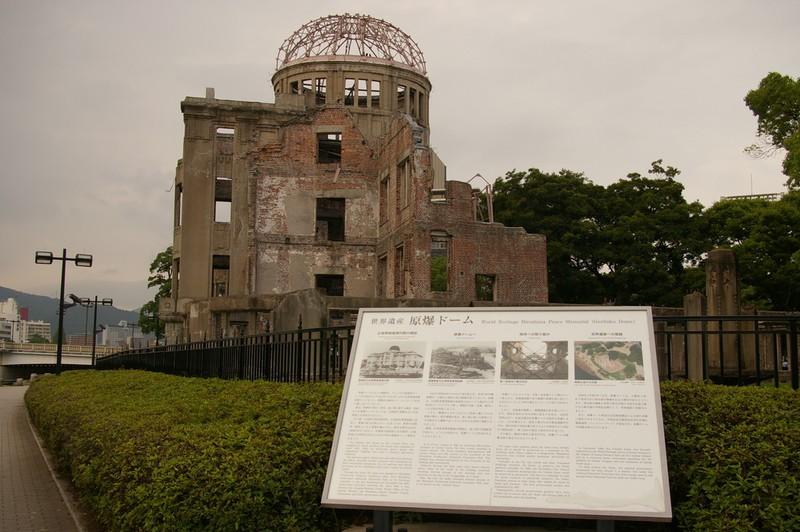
{"x":610,"y":360}
{"x":534,"y":360}
{"x":403,"y":361}
{"x":475,"y":360}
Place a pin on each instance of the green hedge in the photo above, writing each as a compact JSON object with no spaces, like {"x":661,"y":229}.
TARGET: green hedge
{"x":155,"y":452}
{"x":734,"y":456}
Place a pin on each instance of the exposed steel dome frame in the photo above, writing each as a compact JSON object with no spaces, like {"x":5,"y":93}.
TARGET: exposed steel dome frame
{"x":351,"y":35}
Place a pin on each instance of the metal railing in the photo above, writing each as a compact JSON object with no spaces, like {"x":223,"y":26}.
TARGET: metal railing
{"x":738,"y":350}
{"x":751,"y":349}
{"x":51,"y":348}
{"x":307,"y":355}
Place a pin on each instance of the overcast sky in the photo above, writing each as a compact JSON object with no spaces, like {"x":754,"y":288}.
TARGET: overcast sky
{"x":90,"y":96}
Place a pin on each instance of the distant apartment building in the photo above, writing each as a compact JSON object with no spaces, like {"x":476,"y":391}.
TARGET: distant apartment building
{"x":30,"y":330}
{"x":9,"y":320}
{"x":121,"y":335}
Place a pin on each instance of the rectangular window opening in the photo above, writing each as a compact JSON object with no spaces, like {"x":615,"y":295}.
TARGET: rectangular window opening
{"x":331,"y":285}
{"x":362,"y":93}
{"x":294,"y":87}
{"x":224,"y":131}
{"x":375,"y":94}
{"x":440,"y":244}
{"x":349,"y":91}
{"x":403,"y":183}
{"x":321,"y":90}
{"x":484,"y":287}
{"x":178,"y":204}
{"x":306,"y":86}
{"x":399,"y":272}
{"x":401,"y":98}
{"x":329,"y":147}
{"x":220,"y":269}
{"x":223,"y":193}
{"x":176,"y":277}
{"x":384,"y":200}
{"x":412,"y":98}
{"x":330,"y":219}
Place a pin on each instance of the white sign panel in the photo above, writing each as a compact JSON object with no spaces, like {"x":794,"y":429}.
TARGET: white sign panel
{"x":542,"y":411}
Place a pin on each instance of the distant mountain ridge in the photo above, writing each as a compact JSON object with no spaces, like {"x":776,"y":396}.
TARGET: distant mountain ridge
{"x":46,"y":309}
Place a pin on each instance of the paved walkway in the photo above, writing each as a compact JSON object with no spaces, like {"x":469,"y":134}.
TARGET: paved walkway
{"x":29,"y":497}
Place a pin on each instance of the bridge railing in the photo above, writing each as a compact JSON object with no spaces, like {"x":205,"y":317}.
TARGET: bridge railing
{"x":306,"y":355}
{"x":52,"y":348}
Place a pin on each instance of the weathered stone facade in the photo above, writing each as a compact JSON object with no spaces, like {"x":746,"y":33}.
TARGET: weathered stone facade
{"x":334,"y":187}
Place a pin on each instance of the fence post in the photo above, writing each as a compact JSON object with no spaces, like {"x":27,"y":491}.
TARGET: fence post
{"x":694,"y":304}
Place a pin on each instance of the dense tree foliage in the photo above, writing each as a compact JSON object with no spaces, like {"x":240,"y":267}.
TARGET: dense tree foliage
{"x":639,"y":242}
{"x":776,"y":104}
{"x":766,"y":239}
{"x":161,"y":279}
{"x":628,"y":243}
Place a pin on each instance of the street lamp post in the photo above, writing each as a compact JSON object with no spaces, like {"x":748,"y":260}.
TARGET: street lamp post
{"x":80,"y":259}
{"x":106,"y":301}
{"x":133,"y":325}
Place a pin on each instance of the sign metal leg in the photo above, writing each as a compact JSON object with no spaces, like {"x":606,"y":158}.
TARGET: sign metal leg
{"x":382,"y":521}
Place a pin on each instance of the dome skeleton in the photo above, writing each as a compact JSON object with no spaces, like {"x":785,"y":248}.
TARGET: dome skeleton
{"x":353,"y":35}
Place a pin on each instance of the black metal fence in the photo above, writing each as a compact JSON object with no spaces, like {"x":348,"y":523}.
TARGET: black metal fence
{"x":307,"y":355}
{"x":737,"y":350}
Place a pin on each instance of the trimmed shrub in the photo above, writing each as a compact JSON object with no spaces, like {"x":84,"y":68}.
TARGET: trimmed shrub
{"x":148,"y":451}
{"x":734,"y":456}
{"x":155,"y":452}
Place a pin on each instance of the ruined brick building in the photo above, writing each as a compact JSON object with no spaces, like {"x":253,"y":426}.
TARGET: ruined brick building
{"x":331,"y":198}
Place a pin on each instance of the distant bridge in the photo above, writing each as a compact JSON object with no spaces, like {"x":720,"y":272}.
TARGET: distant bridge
{"x":20,"y":360}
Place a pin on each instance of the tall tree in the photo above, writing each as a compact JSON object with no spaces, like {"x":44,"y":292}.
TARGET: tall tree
{"x":776,"y":104}
{"x":765,"y":236}
{"x":563,"y":206}
{"x":160,"y":278}
{"x":633,"y":242}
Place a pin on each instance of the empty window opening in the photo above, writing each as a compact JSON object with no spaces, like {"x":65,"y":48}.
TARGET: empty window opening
{"x":363,"y":94}
{"x":176,"y":277}
{"x":294,"y":87}
{"x":403,"y":183}
{"x":220,"y":269}
{"x":412,"y":100}
{"x":484,"y":287}
{"x":331,"y":285}
{"x":422,"y":109}
{"x":401,"y":98}
{"x":349,"y":91}
{"x":440,"y":244}
{"x":306,"y":86}
{"x":178,"y":204}
{"x":329,"y":147}
{"x":277,"y":88}
{"x":381,"y":280}
{"x":399,"y":272}
{"x":375,"y":93}
{"x":330,"y":219}
{"x":223,"y":193}
{"x":224,"y":131}
{"x":321,"y":90}
{"x":384,"y":200}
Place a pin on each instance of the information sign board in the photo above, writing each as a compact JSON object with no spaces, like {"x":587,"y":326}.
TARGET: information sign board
{"x":551,"y":411}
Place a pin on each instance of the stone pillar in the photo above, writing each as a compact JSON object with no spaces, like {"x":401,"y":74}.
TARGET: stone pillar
{"x":694,"y":304}
{"x":722,"y":298}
